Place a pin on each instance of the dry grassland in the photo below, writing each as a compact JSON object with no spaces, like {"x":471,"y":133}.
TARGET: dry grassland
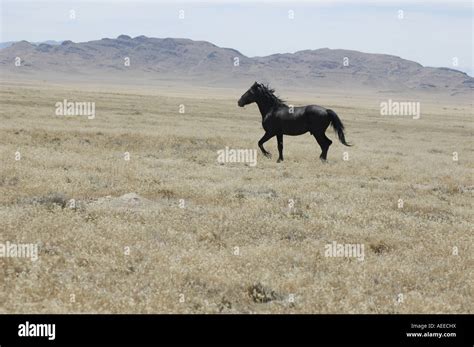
{"x":200,"y":237}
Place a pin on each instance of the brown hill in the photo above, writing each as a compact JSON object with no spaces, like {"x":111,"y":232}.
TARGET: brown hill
{"x":203,"y":63}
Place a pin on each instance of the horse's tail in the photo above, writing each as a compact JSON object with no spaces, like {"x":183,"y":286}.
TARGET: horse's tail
{"x":338,"y":126}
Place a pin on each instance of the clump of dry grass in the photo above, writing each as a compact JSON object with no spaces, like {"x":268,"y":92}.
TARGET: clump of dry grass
{"x":261,"y":294}
{"x":380,"y":247}
{"x":50,"y":200}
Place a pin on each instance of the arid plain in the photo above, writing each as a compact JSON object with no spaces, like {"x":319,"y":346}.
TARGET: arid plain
{"x":171,"y":230}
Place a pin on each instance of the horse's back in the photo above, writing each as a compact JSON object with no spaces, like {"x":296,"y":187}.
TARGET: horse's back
{"x":315,"y":109}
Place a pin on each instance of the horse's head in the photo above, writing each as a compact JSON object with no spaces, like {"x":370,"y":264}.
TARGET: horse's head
{"x":250,"y":95}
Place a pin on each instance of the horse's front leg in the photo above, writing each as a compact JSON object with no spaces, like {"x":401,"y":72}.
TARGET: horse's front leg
{"x":264,"y":139}
{"x":280,"y":147}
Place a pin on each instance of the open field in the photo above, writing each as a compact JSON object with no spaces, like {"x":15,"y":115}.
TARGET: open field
{"x":203,"y":237}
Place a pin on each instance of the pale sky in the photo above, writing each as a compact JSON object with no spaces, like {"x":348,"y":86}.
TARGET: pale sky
{"x":433,"y":33}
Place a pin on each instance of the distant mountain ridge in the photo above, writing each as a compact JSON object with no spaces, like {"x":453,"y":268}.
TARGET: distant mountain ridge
{"x":202,"y":62}
{"x":10,"y":43}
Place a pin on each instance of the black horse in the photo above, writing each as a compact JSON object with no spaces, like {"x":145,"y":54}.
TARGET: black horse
{"x":279,"y":119}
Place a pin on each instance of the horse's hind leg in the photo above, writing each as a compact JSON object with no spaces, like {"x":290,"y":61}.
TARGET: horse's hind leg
{"x":324,"y":143}
{"x":328,"y":143}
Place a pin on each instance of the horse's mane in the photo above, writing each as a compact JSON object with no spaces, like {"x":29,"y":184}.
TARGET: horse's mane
{"x":269,"y":93}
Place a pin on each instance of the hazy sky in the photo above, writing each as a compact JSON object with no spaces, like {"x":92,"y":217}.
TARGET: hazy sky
{"x":432,"y":33}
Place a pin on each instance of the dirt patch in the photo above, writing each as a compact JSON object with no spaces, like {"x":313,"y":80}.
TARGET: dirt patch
{"x":129,"y":201}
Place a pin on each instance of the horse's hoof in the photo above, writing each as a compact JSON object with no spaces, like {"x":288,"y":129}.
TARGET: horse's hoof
{"x":279,"y":160}
{"x":324,"y":161}
{"x":268,"y":155}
